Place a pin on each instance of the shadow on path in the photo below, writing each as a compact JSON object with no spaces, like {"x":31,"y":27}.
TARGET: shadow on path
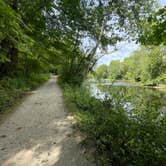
{"x":39,"y":132}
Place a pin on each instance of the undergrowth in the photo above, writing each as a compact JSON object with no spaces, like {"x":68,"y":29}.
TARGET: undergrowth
{"x":120,"y":140}
{"x":12,"y":88}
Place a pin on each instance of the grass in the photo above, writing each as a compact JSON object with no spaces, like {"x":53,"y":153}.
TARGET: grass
{"x":12,"y":89}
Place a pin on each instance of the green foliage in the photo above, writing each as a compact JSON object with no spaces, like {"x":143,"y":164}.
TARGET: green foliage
{"x":136,"y":65}
{"x":154,"y":29}
{"x":20,"y":50}
{"x":72,"y":64}
{"x":162,"y":78}
{"x":35,"y":36}
{"x":116,"y":70}
{"x":24,"y":49}
{"x":101,"y":72}
{"x":12,"y":88}
{"x":147,"y":65}
{"x":93,"y":20}
{"x":120,"y":139}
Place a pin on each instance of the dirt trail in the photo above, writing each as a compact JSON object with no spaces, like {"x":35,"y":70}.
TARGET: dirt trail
{"x":39,"y":132}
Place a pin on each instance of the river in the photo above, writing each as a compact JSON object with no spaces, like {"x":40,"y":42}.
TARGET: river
{"x":131,"y":97}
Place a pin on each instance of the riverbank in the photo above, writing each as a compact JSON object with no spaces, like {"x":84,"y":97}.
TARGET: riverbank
{"x":119,"y":137}
{"x":160,"y":87}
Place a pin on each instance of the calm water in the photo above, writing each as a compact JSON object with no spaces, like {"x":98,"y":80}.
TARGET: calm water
{"x":131,"y":97}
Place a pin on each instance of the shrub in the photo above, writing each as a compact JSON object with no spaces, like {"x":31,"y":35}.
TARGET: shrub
{"x":120,"y":139}
{"x":12,"y":88}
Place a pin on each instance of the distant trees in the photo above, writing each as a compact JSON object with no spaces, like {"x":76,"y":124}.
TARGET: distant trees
{"x":147,"y":65}
{"x":102,"y":72}
{"x":136,"y":65}
{"x":153,"y":35}
{"x":116,"y":70}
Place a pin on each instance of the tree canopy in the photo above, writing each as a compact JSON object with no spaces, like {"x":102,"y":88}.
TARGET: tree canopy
{"x":154,"y":29}
{"x":41,"y":35}
{"x":147,"y":65}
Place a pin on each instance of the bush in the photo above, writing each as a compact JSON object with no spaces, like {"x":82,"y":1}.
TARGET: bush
{"x":162,"y":78}
{"x":120,"y":139}
{"x":151,"y":83}
{"x":12,"y":88}
{"x":36,"y":79}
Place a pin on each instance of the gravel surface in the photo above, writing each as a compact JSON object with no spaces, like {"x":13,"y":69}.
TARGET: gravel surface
{"x":39,"y":132}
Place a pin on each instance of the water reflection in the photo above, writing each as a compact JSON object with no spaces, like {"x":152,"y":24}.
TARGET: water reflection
{"x":133,"y":99}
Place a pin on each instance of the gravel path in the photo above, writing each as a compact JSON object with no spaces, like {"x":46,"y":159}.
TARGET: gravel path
{"x":39,"y":132}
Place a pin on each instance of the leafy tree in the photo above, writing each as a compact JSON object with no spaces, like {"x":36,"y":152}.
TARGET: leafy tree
{"x":136,"y":65}
{"x":115,"y":69}
{"x":157,"y":62}
{"x":34,"y":34}
{"x":101,"y":72}
{"x":100,"y":21}
{"x":154,"y":29}
{"x":147,"y":65}
{"x":12,"y":38}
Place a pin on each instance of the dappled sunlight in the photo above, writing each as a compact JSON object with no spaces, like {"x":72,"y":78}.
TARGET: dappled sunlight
{"x":40,"y":132}
{"x":27,"y":157}
{"x":39,"y":146}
